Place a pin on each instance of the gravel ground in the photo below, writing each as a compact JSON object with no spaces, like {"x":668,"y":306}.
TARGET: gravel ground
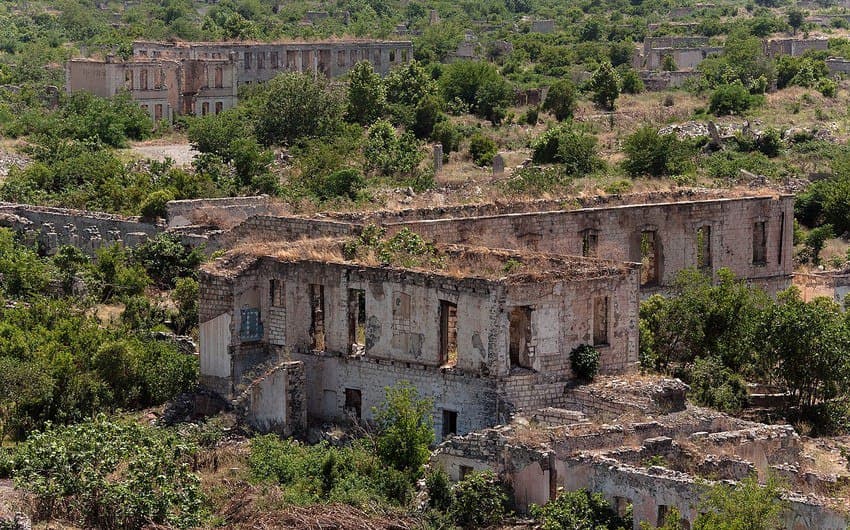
{"x":182,"y":154}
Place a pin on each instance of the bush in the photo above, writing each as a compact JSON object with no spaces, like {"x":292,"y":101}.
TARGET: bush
{"x":714,"y":385}
{"x":827,"y":87}
{"x":570,"y":146}
{"x":405,"y":429}
{"x":479,"y":500}
{"x":439,"y":489}
{"x":343,"y":183}
{"x":605,"y":86}
{"x":448,"y":135}
{"x":578,"y":509}
{"x":111,"y":475}
{"x":730,"y":99}
{"x":154,"y":205}
{"x":584,"y":361}
{"x":389,"y":154}
{"x":166,"y":258}
{"x":561,"y":99}
{"x":482,"y":149}
{"x":631,"y":82}
{"x":654,"y":154}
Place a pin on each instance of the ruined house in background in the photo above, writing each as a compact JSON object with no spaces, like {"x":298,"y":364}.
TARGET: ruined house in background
{"x":200,"y":78}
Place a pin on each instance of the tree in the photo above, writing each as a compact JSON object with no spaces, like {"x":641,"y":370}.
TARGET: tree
{"x":491,"y":99}
{"x":653,"y":154}
{"x":405,"y":428}
{"x":796,"y":19}
{"x":294,"y":106}
{"x":569,"y":145}
{"x":605,"y":86}
{"x":408,"y":84}
{"x":561,"y":99}
{"x":389,"y":154}
{"x":804,"y":348}
{"x":747,"y":505}
{"x":463,"y":79}
{"x":366,"y":94}
{"x":229,"y":136}
{"x":166,"y":258}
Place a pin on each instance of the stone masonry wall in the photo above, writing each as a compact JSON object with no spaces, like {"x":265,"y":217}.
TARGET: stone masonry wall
{"x":88,"y":231}
{"x":618,"y":231}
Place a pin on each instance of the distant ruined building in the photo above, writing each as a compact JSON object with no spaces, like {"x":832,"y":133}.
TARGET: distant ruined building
{"x":200,"y":78}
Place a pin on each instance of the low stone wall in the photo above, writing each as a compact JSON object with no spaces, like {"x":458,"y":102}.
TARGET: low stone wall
{"x":52,"y":228}
{"x":225,"y":212}
{"x":272,"y":228}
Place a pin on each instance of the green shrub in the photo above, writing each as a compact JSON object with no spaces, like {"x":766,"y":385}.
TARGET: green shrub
{"x":714,"y":385}
{"x":343,"y":183}
{"x":584,"y":361}
{"x":653,"y":154}
{"x":578,"y":509}
{"x":447,"y":134}
{"x":111,"y":475}
{"x":482,"y":149}
{"x":479,"y":500}
{"x":439,"y":489}
{"x":561,"y":99}
{"x":165,"y":258}
{"x":405,"y":429}
{"x":827,"y":87}
{"x":389,"y":154}
{"x":730,"y":99}
{"x":631,"y":82}
{"x":535,"y":179}
{"x":154,"y":205}
{"x":568,"y":145}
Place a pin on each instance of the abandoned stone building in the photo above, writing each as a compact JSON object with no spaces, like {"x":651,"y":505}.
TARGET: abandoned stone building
{"x":260,"y":61}
{"x":169,"y":79}
{"x":484,"y":334}
{"x":666,"y":232}
{"x":637,"y":442}
{"x":484,"y":343}
{"x":163,"y":87}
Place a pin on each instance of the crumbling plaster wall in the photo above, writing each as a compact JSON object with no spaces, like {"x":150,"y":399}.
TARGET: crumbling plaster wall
{"x":619,"y":229}
{"x":472,"y":398}
{"x":275,"y":401}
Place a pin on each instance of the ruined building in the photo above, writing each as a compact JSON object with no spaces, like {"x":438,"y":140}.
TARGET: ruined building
{"x":484,"y":333}
{"x":170,"y":79}
{"x":484,"y":340}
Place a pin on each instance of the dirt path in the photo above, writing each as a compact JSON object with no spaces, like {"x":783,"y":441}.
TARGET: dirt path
{"x":182,"y":154}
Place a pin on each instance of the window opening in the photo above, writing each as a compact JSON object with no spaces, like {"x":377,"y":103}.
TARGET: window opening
{"x":781,"y":236}
{"x":205,"y":108}
{"x":759,"y":243}
{"x":219,"y":77}
{"x":357,"y":321}
{"x":247,"y":59}
{"x":143,"y":79}
{"x":353,"y":402}
{"x":519,"y":334}
{"x":219,"y":106}
{"x":250,"y":327}
{"x":448,"y":333}
{"x":317,"y":316}
{"x":589,"y":243}
{"x":648,"y":258}
{"x":704,"y":248}
{"x":449,"y":423}
{"x":600,"y":321}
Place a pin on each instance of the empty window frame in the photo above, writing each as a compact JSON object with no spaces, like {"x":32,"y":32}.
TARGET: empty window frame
{"x":649,"y":258}
{"x":392,"y":56}
{"x":205,"y":108}
{"x":219,"y":106}
{"x":219,"y":77}
{"x":274,"y":60}
{"x":261,"y":61}
{"x":449,"y":423}
{"x":143,"y":79}
{"x":760,"y":243}
{"x":340,"y":58}
{"x":353,"y":403}
{"x":463,"y":471}
{"x":157,"y":112}
{"x":589,"y":243}
{"x":448,"y":333}
{"x":276,"y":294}
{"x":404,"y":56}
{"x":663,"y":510}
{"x":519,"y":337}
{"x":356,"y":321}
{"x":317,"y":316}
{"x":703,"y":242}
{"x":246,"y":58}
{"x":600,"y":321}
{"x":128,"y":79}
{"x":781,"y":237}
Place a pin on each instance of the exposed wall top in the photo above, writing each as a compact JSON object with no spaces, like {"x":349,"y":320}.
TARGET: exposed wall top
{"x":450,"y":261}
